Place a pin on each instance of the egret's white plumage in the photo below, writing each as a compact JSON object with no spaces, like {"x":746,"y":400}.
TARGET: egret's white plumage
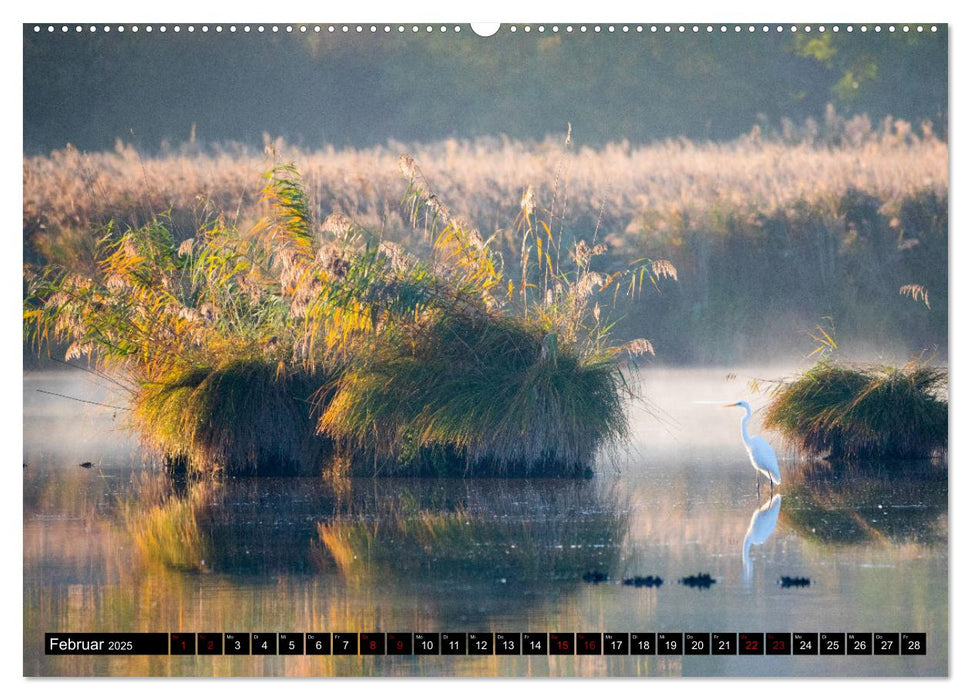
{"x":759,"y":451}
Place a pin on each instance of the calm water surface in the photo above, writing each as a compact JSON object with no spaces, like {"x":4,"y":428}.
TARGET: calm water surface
{"x":119,"y":547}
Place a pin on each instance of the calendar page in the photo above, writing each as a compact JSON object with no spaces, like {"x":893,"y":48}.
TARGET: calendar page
{"x":432,"y":349}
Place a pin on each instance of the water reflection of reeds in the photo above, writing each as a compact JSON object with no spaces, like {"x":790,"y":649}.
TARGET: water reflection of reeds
{"x":842,"y":505}
{"x":69,"y":522}
{"x":235,"y":526}
{"x":244,"y":555}
{"x":517,"y":531}
{"x":513,"y":533}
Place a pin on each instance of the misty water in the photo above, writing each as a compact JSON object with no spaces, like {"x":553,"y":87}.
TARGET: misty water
{"x":487,"y":555}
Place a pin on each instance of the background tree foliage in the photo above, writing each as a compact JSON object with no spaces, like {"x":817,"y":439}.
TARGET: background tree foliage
{"x":89,"y":89}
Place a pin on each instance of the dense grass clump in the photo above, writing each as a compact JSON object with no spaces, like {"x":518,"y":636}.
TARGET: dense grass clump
{"x":480,"y":395}
{"x":502,"y":374}
{"x":247,"y":417}
{"x":855,"y":413}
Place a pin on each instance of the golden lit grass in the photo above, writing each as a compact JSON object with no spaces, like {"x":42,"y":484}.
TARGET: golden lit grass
{"x":202,"y":333}
{"x":844,"y":216}
{"x":245,"y":416}
{"x":505,"y":373}
{"x":226,"y":335}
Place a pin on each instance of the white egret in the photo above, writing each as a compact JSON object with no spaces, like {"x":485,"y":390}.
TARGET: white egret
{"x":759,"y":451}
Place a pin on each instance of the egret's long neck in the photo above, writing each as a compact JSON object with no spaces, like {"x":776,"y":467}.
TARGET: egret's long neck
{"x":748,"y":414}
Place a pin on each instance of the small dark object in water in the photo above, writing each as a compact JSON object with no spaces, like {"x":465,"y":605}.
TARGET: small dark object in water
{"x":699,"y":581}
{"x":793,"y":582}
{"x":86,"y":465}
{"x":641,"y":581}
{"x":595,"y":577}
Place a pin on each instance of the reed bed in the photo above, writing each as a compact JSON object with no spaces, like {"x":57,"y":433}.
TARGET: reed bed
{"x":770,"y":232}
{"x":622,"y":185}
{"x":258,"y":349}
{"x":197,"y":334}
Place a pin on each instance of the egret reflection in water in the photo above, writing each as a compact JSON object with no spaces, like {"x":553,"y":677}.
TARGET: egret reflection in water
{"x":760,"y":529}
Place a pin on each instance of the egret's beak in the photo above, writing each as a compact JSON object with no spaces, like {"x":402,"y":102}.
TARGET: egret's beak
{"x":729,"y":405}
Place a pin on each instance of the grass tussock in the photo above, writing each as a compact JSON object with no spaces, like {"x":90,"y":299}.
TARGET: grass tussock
{"x":209,"y":335}
{"x":501,"y":395}
{"x":857,"y":413}
{"x":515,"y":375}
{"x":246,"y":417}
